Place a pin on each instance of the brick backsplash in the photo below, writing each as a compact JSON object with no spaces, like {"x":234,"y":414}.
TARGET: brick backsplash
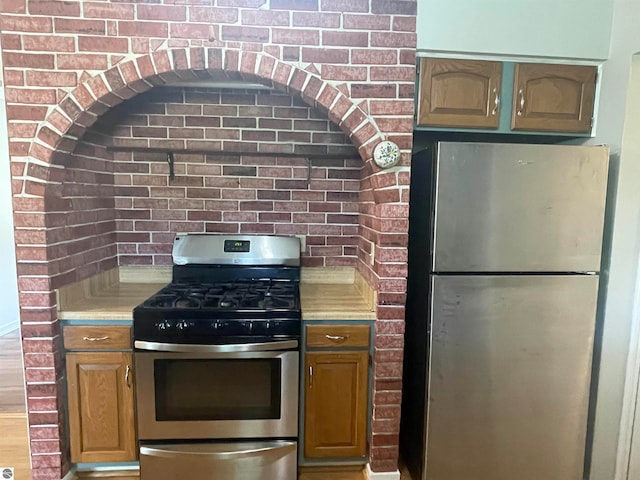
{"x":75,"y":76}
{"x":235,"y":194}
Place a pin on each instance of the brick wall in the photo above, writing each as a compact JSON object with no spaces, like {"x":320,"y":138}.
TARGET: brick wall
{"x":67,"y":63}
{"x":235,"y":194}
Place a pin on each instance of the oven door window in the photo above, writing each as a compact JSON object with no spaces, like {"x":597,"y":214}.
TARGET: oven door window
{"x":229,"y":389}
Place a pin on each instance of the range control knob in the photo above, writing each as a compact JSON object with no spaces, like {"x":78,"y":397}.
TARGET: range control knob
{"x":163,"y":325}
{"x":182,"y":325}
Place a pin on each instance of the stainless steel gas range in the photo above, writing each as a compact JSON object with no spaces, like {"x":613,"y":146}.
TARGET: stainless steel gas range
{"x":217,"y":361}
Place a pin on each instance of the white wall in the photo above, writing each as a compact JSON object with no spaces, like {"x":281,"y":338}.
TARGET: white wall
{"x":624,"y":236}
{"x":629,"y":450}
{"x":9,"y":311}
{"x":544,"y":28}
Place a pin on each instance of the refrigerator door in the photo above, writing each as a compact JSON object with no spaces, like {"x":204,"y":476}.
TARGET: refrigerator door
{"x":519,"y":208}
{"x":509,"y":376}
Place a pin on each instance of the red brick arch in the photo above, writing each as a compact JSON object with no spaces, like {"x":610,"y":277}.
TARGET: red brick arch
{"x":70,"y":119}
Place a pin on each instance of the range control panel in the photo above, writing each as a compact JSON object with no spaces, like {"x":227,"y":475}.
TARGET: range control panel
{"x":241,"y":246}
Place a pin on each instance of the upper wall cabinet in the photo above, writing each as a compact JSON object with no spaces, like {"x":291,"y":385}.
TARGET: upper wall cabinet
{"x":506,"y":98}
{"x":557,"y":98}
{"x":459,"y":93}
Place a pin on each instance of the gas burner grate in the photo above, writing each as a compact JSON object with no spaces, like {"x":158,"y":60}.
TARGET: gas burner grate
{"x":237,"y":295}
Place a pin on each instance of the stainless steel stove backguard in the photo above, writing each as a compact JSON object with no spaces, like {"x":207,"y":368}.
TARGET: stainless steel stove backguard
{"x":208,"y":249}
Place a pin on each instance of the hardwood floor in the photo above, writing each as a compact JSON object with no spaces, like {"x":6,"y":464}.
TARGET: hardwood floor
{"x":14,"y":439}
{"x":11,"y":375}
{"x":404,"y":473}
{"x":14,"y":445}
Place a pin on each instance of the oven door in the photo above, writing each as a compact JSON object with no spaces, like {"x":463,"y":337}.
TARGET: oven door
{"x":216,"y":391}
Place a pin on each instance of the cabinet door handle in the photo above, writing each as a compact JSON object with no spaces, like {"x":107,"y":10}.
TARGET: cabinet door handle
{"x":127,"y":376}
{"x":521,"y":102}
{"x":95,"y":339}
{"x":496,"y":102}
{"x":337,"y":338}
{"x":310,"y":376}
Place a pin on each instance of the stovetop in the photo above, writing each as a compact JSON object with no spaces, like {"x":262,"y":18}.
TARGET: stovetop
{"x":250,"y":296}
{"x":205,"y":313}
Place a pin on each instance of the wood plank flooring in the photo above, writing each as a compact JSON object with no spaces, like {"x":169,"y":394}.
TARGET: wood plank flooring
{"x":14,"y":430}
{"x":14,"y":445}
{"x":11,"y":374}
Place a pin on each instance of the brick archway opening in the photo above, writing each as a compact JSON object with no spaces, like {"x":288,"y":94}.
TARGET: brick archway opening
{"x":82,"y":107}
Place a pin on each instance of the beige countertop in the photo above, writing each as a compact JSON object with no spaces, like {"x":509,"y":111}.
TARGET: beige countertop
{"x":104,"y":299}
{"x":110,"y":303}
{"x":322,"y":301}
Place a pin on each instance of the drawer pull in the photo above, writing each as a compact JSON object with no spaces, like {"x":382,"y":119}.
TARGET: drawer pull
{"x":127,"y":376}
{"x":96,"y":339}
{"x":337,"y":338}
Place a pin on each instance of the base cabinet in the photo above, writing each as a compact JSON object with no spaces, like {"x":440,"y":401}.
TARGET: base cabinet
{"x":336,"y":392}
{"x":101,"y":406}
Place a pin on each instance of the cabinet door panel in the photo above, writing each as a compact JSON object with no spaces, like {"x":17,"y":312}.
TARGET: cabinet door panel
{"x":553,"y":98}
{"x":459,"y":93}
{"x":336,"y":404}
{"x":101,"y":412}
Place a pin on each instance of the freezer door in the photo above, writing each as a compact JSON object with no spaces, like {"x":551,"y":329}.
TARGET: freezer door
{"x":519,"y":208}
{"x":509,"y":377}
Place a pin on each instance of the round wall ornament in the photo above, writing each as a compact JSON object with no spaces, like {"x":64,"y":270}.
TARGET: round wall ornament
{"x":386,"y":154}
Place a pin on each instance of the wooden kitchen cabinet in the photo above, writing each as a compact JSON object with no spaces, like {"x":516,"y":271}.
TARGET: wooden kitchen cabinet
{"x":97,"y":337}
{"x":101,"y":406}
{"x":505,"y":97}
{"x":336,"y":404}
{"x":459,"y":93}
{"x":555,"y":98}
{"x":336,"y":391}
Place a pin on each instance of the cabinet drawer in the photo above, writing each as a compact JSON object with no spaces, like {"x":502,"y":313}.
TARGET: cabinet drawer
{"x":338,"y":335}
{"x":97,"y":337}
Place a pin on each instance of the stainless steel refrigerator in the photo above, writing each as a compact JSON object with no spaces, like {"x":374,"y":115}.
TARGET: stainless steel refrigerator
{"x":504,"y":254}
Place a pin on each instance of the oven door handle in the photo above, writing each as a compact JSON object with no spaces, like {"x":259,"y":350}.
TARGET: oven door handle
{"x":231,"y":348}
{"x":216,"y":450}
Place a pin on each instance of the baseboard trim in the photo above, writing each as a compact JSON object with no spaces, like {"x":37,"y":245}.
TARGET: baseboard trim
{"x":9,"y":327}
{"x":71,"y":474}
{"x":371,"y":475}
